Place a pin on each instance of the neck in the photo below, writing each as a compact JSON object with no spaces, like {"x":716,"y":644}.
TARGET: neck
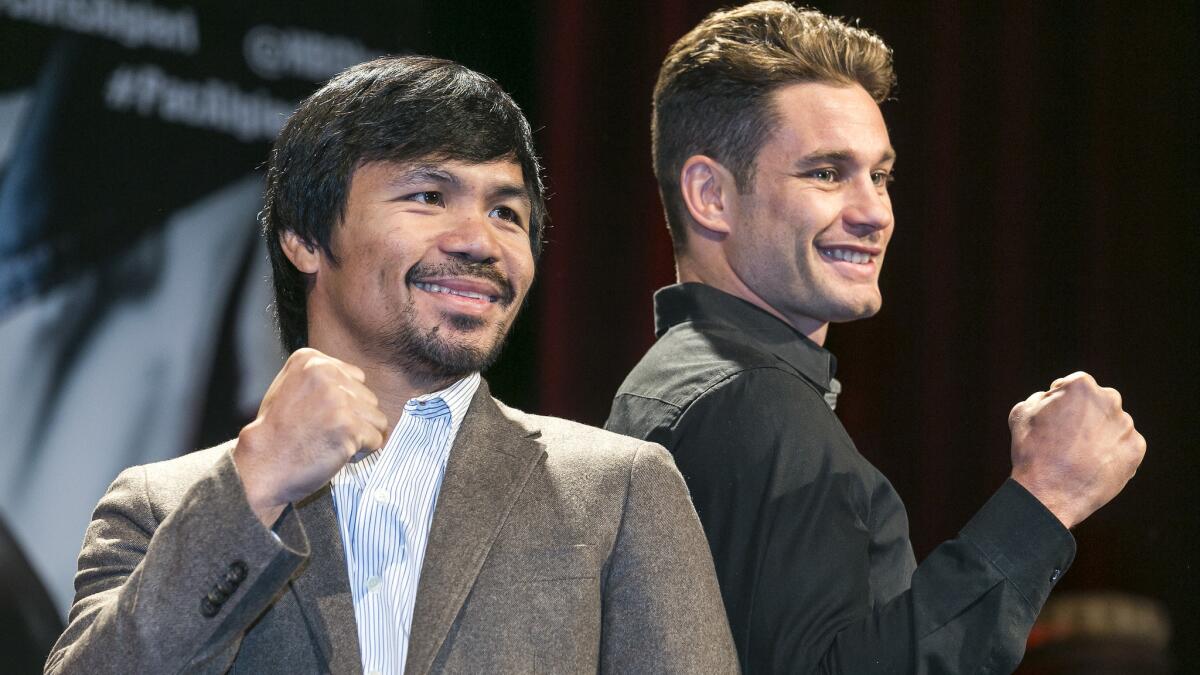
{"x":396,"y":388}
{"x":723,"y":278}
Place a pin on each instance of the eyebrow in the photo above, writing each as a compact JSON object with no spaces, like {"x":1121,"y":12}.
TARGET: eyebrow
{"x":512,"y":191}
{"x":839,"y":156}
{"x":425,"y":173}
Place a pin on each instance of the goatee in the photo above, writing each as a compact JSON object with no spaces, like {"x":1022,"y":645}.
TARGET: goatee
{"x":429,"y":354}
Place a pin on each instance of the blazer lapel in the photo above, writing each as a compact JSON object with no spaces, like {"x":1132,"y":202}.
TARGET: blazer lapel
{"x":489,"y":465}
{"x":322,"y":587}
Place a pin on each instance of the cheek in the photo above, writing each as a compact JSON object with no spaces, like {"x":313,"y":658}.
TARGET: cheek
{"x":520,"y":266}
{"x":796,"y":219}
{"x":375,"y":272}
{"x":382,"y":278}
{"x":887,"y":235}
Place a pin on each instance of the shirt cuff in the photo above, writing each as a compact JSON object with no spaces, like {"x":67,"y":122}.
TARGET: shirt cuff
{"x":1024,"y":540}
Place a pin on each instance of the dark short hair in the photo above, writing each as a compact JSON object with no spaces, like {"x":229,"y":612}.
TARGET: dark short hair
{"x":396,"y":108}
{"x":713,"y":95}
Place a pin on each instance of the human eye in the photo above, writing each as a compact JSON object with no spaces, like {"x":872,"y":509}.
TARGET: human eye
{"x":824,"y":175}
{"x":506,"y":213}
{"x":430,"y":197}
{"x":883,"y":178}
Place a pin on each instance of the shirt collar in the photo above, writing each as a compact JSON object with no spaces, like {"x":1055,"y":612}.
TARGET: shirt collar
{"x":704,"y":305}
{"x":457,"y":398}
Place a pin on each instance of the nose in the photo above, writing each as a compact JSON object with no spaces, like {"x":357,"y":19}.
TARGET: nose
{"x":869,"y":209}
{"x":471,"y":238}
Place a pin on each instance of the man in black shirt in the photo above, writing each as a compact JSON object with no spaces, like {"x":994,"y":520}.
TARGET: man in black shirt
{"x":773,"y":161}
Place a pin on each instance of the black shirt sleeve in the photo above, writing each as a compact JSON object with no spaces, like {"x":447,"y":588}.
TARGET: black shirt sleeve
{"x":795,"y":521}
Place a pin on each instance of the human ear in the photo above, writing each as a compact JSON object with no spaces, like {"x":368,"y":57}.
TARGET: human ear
{"x":304,"y":256}
{"x":708,"y":189}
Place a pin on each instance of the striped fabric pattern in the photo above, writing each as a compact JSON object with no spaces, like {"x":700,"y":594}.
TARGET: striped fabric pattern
{"x":384,"y":507}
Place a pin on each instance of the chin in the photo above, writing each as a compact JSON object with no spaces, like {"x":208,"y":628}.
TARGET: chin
{"x":853,"y":312}
{"x":454,"y":345}
{"x":465,"y":323}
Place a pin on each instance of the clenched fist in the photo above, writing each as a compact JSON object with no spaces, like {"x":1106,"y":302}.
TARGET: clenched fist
{"x":1073,"y":447}
{"x":316,"y":416}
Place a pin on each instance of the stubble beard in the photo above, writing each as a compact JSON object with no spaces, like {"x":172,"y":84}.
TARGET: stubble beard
{"x":429,"y":356}
{"x":833,"y":301}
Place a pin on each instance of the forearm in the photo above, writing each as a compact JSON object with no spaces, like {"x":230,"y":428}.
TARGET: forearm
{"x":141,"y":583}
{"x":970,"y":607}
{"x":976,"y":597}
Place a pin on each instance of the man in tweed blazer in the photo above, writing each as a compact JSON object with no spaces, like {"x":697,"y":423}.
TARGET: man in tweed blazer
{"x":403,"y":215}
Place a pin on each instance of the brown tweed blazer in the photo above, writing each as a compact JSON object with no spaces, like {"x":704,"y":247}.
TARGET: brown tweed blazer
{"x":555,"y":547}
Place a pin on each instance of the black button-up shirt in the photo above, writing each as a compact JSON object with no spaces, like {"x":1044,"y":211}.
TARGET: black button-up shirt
{"x":809,"y":539}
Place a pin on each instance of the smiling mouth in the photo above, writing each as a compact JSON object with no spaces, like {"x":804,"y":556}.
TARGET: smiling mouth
{"x":846,"y":255}
{"x":436,"y":288}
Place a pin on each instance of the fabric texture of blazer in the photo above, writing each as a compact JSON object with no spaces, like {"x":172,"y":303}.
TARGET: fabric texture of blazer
{"x":555,"y":547}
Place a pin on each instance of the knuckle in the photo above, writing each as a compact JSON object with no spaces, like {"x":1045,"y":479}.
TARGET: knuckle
{"x":1113,"y":396}
{"x":345,"y":421}
{"x":317,"y":380}
{"x":303,"y":355}
{"x":322,"y":368}
{"x":1078,"y":380}
{"x":1016,"y":412}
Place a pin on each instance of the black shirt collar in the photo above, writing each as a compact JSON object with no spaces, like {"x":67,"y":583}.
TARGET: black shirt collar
{"x":702,"y":304}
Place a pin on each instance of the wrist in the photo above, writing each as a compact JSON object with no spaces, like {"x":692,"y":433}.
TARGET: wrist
{"x":263,"y":501}
{"x":1062,"y":507}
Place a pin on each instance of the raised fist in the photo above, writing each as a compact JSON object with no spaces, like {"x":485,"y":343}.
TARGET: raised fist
{"x":316,"y":416}
{"x":1073,"y":447}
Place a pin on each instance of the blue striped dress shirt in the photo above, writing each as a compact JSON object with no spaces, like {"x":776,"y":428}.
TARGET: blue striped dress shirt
{"x":384,"y":507}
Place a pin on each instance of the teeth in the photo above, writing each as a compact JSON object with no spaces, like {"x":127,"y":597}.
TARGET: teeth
{"x":434,"y":288}
{"x":848,"y":256}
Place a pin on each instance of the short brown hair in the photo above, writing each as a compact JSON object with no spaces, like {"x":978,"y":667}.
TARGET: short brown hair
{"x":713,"y":92}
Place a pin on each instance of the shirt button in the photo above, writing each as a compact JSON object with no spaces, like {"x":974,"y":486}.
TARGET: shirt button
{"x":373,"y":584}
{"x":382,"y":495}
{"x":1057,"y":573}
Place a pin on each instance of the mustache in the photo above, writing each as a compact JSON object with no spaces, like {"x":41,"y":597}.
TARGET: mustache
{"x":464,"y":268}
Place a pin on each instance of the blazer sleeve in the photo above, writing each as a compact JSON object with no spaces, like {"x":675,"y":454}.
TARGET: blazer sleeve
{"x":662,"y":607}
{"x":161,"y":594}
